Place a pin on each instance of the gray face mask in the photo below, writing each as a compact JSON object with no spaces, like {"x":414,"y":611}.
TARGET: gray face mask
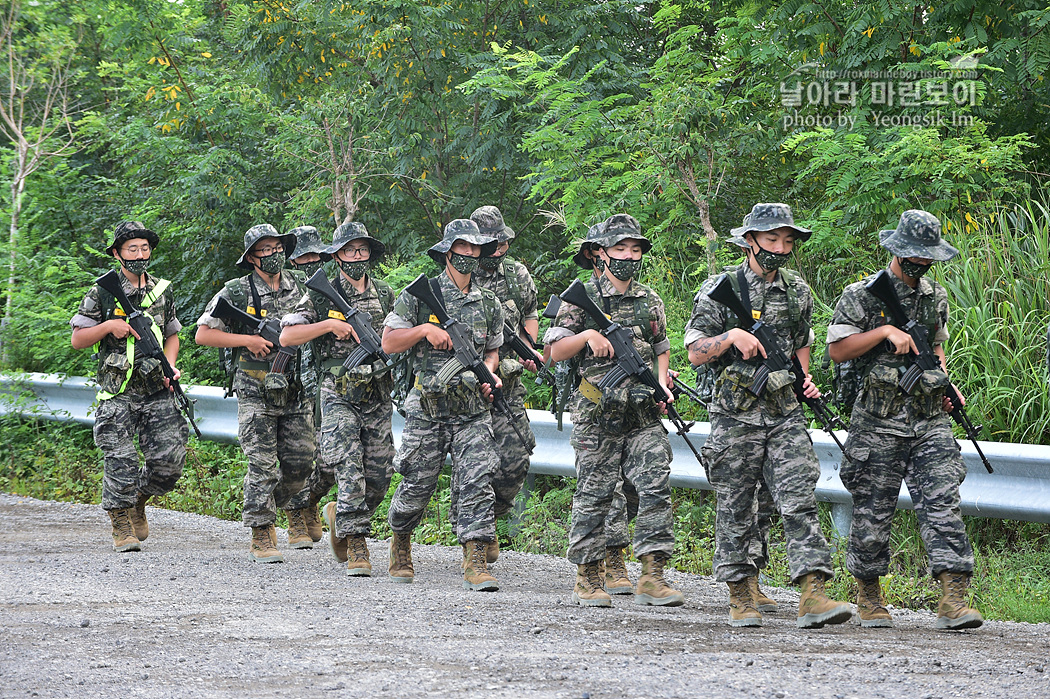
{"x":490,"y":263}
{"x":624,"y":269}
{"x":770,"y":261}
{"x":136,"y":267}
{"x":355,"y":270}
{"x":464,"y":264}
{"x":913,"y":269}
{"x":272,"y":264}
{"x":309,"y":268}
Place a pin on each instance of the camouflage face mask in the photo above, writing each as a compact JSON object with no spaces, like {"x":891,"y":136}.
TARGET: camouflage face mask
{"x":489,"y":263}
{"x":272,"y":264}
{"x":309,"y":268}
{"x":136,"y":267}
{"x":355,"y":270}
{"x":464,"y":264}
{"x":913,"y":269}
{"x":770,"y":261}
{"x":599,"y":263}
{"x":624,"y":269}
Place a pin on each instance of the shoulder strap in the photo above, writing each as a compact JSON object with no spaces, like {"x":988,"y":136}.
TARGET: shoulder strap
{"x":235,"y":290}
{"x":256,"y":301}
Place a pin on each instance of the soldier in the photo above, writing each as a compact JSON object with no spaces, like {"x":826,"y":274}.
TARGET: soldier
{"x":763,"y":438}
{"x":618,"y":431}
{"x":356,"y":441}
{"x":895,"y":436}
{"x":134,"y":396}
{"x":447,"y":417}
{"x":274,"y":415}
{"x":304,"y":524}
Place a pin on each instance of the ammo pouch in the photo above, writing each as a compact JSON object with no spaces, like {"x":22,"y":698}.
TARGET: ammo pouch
{"x":278,"y":389}
{"x":112,"y":372}
{"x":929,"y":392}
{"x":779,"y":396}
{"x":460,"y":396}
{"x":731,"y":394}
{"x":509,"y":372}
{"x":626,"y":407}
{"x":363,"y":383}
{"x":880,"y":395}
{"x":147,"y":379}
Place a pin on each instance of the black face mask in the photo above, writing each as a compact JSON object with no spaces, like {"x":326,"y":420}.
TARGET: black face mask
{"x":136,"y":267}
{"x":913,"y":269}
{"x":624,"y":270}
{"x":464,"y":264}
{"x":272,"y":263}
{"x":355,"y":269}
{"x":308,"y":268}
{"x":490,"y":263}
{"x":770,"y":261}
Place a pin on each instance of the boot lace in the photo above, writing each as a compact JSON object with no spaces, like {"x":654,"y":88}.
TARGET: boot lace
{"x":358,"y":548}
{"x":593,"y":576}
{"x":873,"y":594}
{"x":122,"y":523}
{"x":614,"y":565}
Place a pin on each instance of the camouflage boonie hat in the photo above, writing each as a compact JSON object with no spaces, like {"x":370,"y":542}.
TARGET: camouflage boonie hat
{"x":621,"y":227}
{"x":307,"y":240}
{"x":126,"y":230}
{"x":461,"y":229}
{"x":594,"y":233}
{"x":490,"y":222}
{"x":353,"y":231}
{"x":264,"y":230}
{"x":766,"y":217}
{"x":918,"y":234}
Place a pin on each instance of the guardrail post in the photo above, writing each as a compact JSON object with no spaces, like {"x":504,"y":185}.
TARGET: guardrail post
{"x":841,"y":518}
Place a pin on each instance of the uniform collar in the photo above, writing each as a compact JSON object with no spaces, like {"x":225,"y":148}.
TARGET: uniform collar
{"x":749,"y":274}
{"x":607,"y":289}
{"x":284,"y":284}
{"x":449,"y":287}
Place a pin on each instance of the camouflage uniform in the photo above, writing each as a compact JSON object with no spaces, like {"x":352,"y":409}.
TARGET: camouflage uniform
{"x":895,"y":437}
{"x":355,"y":436}
{"x":761,"y":439}
{"x":275,"y":427}
{"x":452,"y":418}
{"x":142,"y":407}
{"x":625,"y":437}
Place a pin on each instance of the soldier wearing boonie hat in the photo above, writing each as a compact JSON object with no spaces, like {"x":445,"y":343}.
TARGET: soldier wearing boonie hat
{"x":133,"y":397}
{"x":309,"y":249}
{"x":447,"y":417}
{"x":762,"y":439}
{"x":275,"y":424}
{"x":895,"y":436}
{"x":355,"y":438}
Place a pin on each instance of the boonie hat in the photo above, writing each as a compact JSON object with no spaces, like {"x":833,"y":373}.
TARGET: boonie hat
{"x":307,"y":240}
{"x":353,"y":231}
{"x":621,"y":227}
{"x":918,"y":234}
{"x":594,"y":233}
{"x":767,"y":217}
{"x":264,"y":230}
{"x":126,"y":230}
{"x":490,"y":222}
{"x":461,"y":229}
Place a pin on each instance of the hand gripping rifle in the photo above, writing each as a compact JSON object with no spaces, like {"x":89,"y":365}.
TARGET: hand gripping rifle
{"x":776,"y":359}
{"x":268,"y":329}
{"x":464,"y":355}
{"x":881,"y":287}
{"x":142,"y":324}
{"x":527,"y":353}
{"x":628,"y":361}
{"x":369,"y":342}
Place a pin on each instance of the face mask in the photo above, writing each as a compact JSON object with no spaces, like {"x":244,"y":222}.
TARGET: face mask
{"x":770,"y":261}
{"x":136,"y":267}
{"x":599,"y":263}
{"x":464,"y":264}
{"x":355,"y":270}
{"x":272,"y":264}
{"x":624,"y":269}
{"x":913,"y":269}
{"x":309,"y":268}
{"x":489,"y":263}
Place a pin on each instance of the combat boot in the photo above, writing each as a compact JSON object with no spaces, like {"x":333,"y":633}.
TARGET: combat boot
{"x":263,"y":548}
{"x":358,"y":564}
{"x":476,"y":574}
{"x":742,"y":610}
{"x":589,"y":591}
{"x":652,"y":588}
{"x":870,"y":607}
{"x":298,"y":537}
{"x":761,"y":602}
{"x":492,"y":551}
{"x":337,"y":544}
{"x":138,"y":517}
{"x":815,"y":610}
{"x":952,"y":612}
{"x":616,"y":580}
{"x":124,"y":538}
{"x":401,"y":570}
{"x":313,"y":522}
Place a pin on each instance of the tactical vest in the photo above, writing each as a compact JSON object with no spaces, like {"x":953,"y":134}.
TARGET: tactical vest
{"x":238,"y":298}
{"x":325,"y":310}
{"x":106,"y":348}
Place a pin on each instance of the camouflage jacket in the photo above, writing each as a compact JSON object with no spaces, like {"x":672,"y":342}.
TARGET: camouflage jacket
{"x":513,"y":286}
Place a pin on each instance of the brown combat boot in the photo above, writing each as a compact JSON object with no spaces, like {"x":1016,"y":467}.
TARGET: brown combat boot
{"x":313,"y":522}
{"x":357,"y":564}
{"x":589,"y":591}
{"x":476,"y":574}
{"x":263,"y":548}
{"x":138,"y":517}
{"x":742,"y":611}
{"x":298,"y":537}
{"x":124,"y":538}
{"x":762,"y":602}
{"x":952,"y":612}
{"x":492,"y":551}
{"x":870,"y":607}
{"x":337,"y":544}
{"x":616,"y":580}
{"x":652,"y":588}
{"x":815,"y":609}
{"x":401,"y":570}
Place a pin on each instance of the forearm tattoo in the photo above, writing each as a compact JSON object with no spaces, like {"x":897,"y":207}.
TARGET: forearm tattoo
{"x":707,"y":348}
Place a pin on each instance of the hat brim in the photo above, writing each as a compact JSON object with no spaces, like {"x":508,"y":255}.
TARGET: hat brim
{"x":610,"y":240}
{"x":738,"y":234}
{"x":152,"y":238}
{"x":942,"y":252}
{"x":287,"y":239}
{"x":437,"y":251}
{"x":376,"y":249}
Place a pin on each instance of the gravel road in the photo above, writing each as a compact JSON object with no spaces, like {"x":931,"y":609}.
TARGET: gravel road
{"x":189,"y":616}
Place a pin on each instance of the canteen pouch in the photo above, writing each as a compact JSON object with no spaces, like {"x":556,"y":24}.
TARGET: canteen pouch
{"x":731,"y":394}
{"x":278,"y":389}
{"x":461,"y":396}
{"x":930,"y":390}
{"x":611,"y":413}
{"x":881,"y":396}
{"x":779,"y":395}
{"x":112,"y":373}
{"x":642,"y":407}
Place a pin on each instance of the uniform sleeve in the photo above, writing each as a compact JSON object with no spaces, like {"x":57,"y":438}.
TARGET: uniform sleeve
{"x":304,"y":313}
{"x":207,"y":318}
{"x":941,"y":336}
{"x":849,"y":317}
{"x":494,"y":337}
{"x":658,"y":324}
{"x":569,"y":322}
{"x":530,"y":300}
{"x":708,"y":318}
{"x":404,"y":313}
{"x":804,"y":337}
{"x":172,"y":325}
{"x":89,"y":312}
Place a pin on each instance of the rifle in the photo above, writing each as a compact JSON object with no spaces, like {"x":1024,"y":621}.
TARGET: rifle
{"x":680,"y":388}
{"x":527,"y":353}
{"x":559,"y":394}
{"x":881,"y":287}
{"x":776,"y":359}
{"x":268,"y":329}
{"x":369,"y":342}
{"x":142,"y":324}
{"x":464,"y":355}
{"x":628,"y":361}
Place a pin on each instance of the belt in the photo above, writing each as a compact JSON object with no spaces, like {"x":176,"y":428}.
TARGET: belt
{"x":590,"y":391}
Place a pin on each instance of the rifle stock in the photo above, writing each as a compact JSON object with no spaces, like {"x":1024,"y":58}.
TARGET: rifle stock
{"x":369,"y":342}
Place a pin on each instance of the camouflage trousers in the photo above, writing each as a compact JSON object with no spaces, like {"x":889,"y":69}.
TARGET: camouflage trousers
{"x":424,"y":444}
{"x":738,"y":457}
{"x":321,"y":478}
{"x":623,"y":509}
{"x":762,"y":522}
{"x":643,"y":456}
{"x":280,"y":445}
{"x":162,"y":433}
{"x":872,"y":470}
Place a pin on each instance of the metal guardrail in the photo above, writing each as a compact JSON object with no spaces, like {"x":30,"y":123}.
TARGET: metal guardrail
{"x":1019,"y":489}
